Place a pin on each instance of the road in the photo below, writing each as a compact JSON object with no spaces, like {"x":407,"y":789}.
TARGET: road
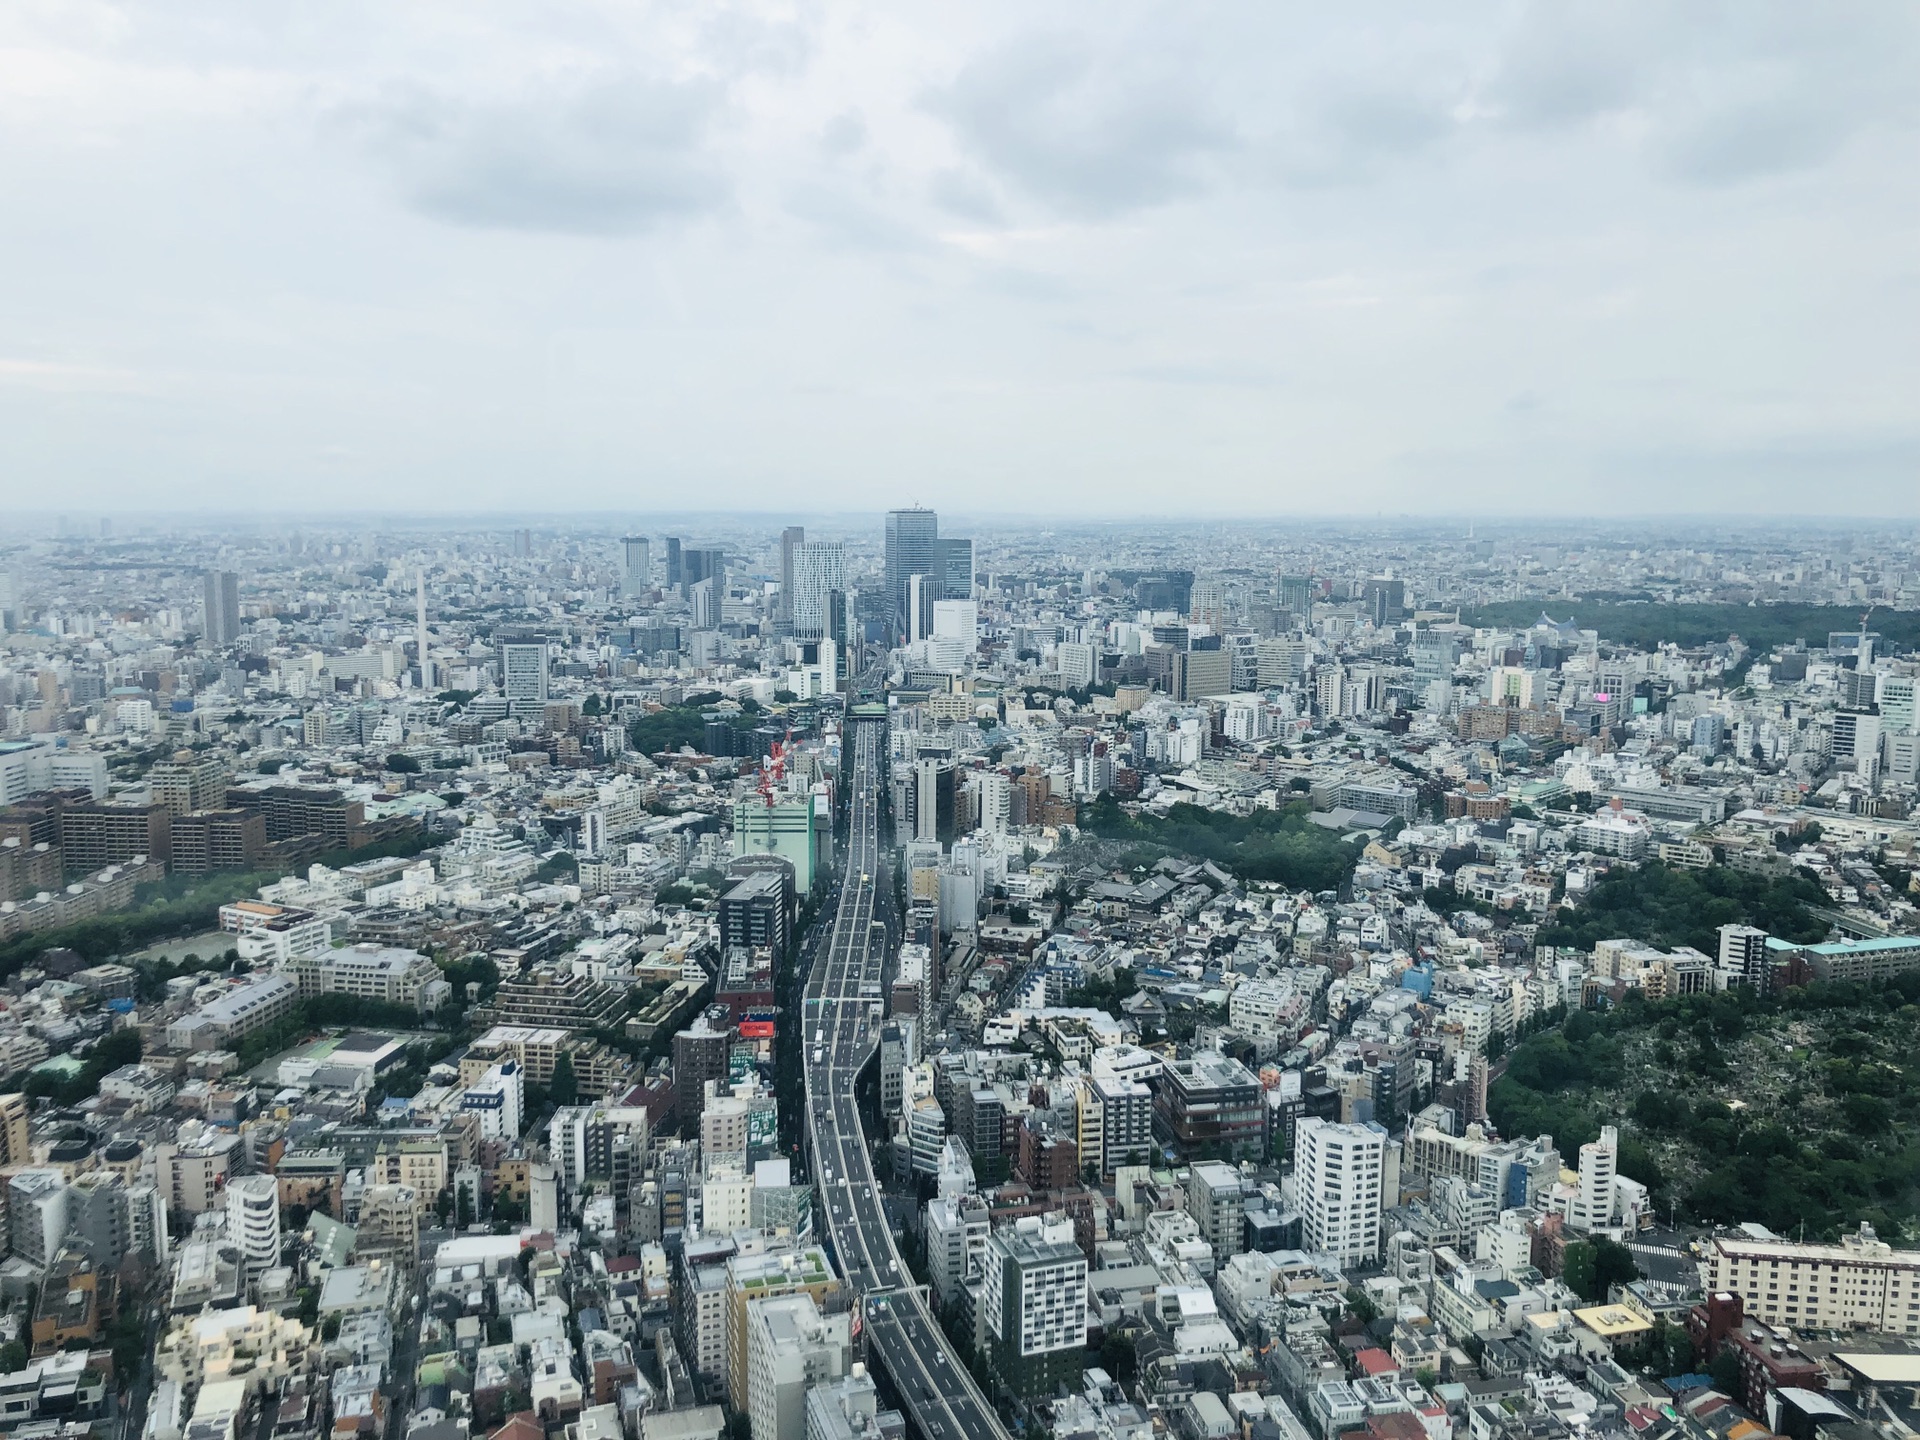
{"x":843,"y":1016}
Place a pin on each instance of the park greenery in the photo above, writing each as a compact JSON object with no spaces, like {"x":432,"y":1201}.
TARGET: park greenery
{"x":685,"y":725}
{"x":1279,"y":846}
{"x":1798,"y":1110}
{"x":1668,"y":906}
{"x":1649,"y":625}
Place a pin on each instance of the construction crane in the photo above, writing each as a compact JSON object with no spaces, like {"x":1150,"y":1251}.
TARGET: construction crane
{"x":774,"y":768}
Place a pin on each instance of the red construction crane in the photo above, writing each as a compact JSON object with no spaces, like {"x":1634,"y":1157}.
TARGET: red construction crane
{"x":774,"y":768}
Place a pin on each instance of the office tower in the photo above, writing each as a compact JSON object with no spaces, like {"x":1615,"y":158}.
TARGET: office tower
{"x":1297,"y":593}
{"x":522,"y":544}
{"x":702,"y":564}
{"x":1386,"y":601}
{"x":1034,"y":1292}
{"x":523,"y":673}
{"x":706,"y":599}
{"x":675,"y":570}
{"x":791,"y":539}
{"x":253,"y":1219}
{"x":222,"y":600}
{"x":956,"y":569}
{"x":637,"y":575}
{"x":1078,"y":664}
{"x":420,"y":629}
{"x":819,"y":569}
{"x":1339,"y":1185}
{"x":1856,"y":735}
{"x":921,"y":594}
{"x":912,"y":549}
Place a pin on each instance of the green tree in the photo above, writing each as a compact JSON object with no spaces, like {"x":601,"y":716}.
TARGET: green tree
{"x":401,"y":764}
{"x":1594,"y":1266}
{"x":564,"y":1088}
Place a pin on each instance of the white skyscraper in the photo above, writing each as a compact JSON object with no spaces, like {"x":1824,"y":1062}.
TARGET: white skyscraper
{"x":253,"y":1219}
{"x":523,"y":673}
{"x":819,"y":569}
{"x":1339,"y":1184}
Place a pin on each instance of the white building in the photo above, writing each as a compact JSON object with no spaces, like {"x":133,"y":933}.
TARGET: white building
{"x":499,"y":1098}
{"x":956,"y":1229}
{"x":1861,"y":1283}
{"x":1339,"y":1178}
{"x":253,"y":1219}
{"x":791,"y":1347}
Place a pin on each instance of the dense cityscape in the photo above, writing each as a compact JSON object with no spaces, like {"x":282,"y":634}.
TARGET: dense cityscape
{"x":677,"y":978}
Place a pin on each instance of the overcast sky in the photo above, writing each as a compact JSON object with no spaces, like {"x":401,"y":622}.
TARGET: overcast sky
{"x":1110,"y":259}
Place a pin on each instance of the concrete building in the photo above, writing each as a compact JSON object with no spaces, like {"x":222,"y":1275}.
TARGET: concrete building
{"x":1861,"y":1283}
{"x":1034,"y":1294}
{"x":1339,"y":1174}
{"x":253,"y":1220}
{"x":791,"y":1348}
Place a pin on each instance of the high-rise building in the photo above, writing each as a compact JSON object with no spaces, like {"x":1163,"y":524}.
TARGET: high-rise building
{"x":1593,"y":1202}
{"x":956,"y":569}
{"x":1339,"y":1178}
{"x":1216,"y":1199}
{"x":637,"y":573}
{"x":253,"y":1219}
{"x":791,"y":1348}
{"x":913,"y":548}
{"x":819,"y":569}
{"x":523,"y":673}
{"x":221,"y":596}
{"x":424,"y":660}
{"x":707,"y":563}
{"x":676,"y":571}
{"x":707,"y":601}
{"x":1744,"y":959}
{"x":791,"y":539}
{"x":1034,"y":1292}
{"x":922,"y":593}
{"x":36,"y":1215}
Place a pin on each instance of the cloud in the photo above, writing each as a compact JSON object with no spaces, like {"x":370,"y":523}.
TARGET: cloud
{"x":1711,"y":94}
{"x":1082,"y":130}
{"x":599,"y":158}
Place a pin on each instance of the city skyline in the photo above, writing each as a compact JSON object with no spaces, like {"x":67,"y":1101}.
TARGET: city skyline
{"x":1528,"y":260}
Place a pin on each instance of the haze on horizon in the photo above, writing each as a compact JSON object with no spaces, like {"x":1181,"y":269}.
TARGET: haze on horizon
{"x":1107,"y":260}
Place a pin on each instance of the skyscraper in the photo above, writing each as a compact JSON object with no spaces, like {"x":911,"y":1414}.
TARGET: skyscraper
{"x":819,"y":569}
{"x":913,"y":545}
{"x":791,"y":539}
{"x":702,"y":564}
{"x":222,"y":598}
{"x":420,"y":628}
{"x":922,"y":593}
{"x":956,"y":569}
{"x":523,"y":673}
{"x":637,"y":577}
{"x":674,"y":575}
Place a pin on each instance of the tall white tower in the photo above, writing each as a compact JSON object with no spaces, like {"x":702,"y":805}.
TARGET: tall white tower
{"x":420,"y":620}
{"x":253,"y":1219}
